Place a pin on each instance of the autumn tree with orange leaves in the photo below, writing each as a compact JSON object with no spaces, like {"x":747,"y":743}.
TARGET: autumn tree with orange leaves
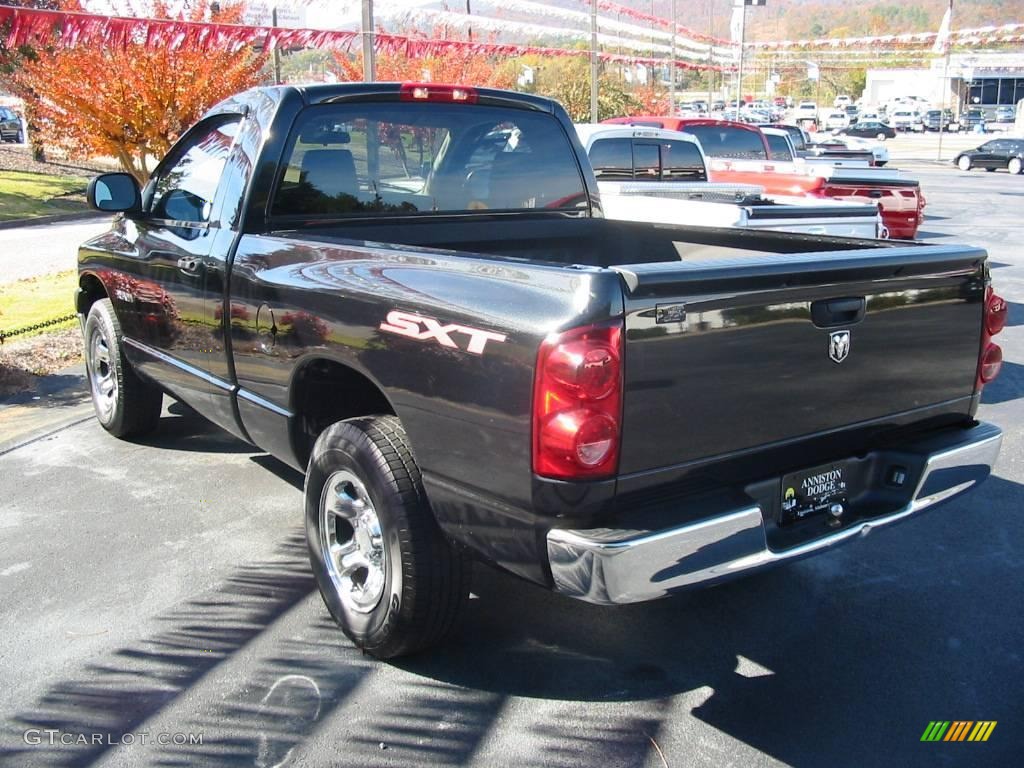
{"x":132,"y":103}
{"x":458,"y":66}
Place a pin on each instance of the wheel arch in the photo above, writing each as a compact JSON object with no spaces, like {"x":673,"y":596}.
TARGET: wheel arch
{"x":315,"y":404}
{"x":90,"y":290}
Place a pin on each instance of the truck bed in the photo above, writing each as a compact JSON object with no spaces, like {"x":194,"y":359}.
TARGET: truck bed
{"x":594,"y":242}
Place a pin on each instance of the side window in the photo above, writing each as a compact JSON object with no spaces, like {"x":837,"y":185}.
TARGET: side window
{"x":681,"y":161}
{"x":612,"y":159}
{"x":184,"y":191}
{"x":646,"y":162}
{"x":726,"y":141}
{"x":779,"y":148}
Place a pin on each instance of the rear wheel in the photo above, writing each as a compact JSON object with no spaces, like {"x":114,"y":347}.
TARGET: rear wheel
{"x":386,"y":572}
{"x":125,"y":405}
{"x":963,"y":163}
{"x":880,"y":137}
{"x":1015,"y":165}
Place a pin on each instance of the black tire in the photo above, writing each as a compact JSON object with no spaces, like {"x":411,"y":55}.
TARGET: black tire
{"x":422,"y":578}
{"x":125,"y":405}
{"x":20,"y":138}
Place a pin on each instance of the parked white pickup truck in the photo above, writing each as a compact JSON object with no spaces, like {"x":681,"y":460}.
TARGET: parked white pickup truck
{"x":658,"y":175}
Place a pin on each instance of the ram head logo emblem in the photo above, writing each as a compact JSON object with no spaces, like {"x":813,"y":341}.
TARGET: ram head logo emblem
{"x":838,"y":345}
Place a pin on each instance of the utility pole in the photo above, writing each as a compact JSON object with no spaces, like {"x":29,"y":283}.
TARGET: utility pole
{"x":672,"y":64}
{"x":277,"y":49}
{"x":593,"y":61}
{"x":469,"y":28}
{"x":711,"y":49}
{"x":945,"y":81}
{"x":369,"y":54}
{"x":743,"y":37}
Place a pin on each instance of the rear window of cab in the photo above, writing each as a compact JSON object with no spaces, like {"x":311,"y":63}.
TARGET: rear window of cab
{"x":412,"y":158}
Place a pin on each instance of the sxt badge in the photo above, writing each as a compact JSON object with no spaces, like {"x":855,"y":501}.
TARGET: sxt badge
{"x":421,"y":328}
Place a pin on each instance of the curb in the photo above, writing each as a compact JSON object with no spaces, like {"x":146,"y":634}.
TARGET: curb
{"x":56,"y":218}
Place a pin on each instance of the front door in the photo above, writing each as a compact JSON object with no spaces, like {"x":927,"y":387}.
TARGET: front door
{"x":988,"y":155}
{"x":167,"y":326}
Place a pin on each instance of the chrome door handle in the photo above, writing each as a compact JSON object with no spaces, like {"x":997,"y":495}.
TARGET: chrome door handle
{"x":189,"y":265}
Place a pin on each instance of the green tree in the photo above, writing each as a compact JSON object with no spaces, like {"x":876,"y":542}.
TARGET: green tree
{"x":567,"y":80}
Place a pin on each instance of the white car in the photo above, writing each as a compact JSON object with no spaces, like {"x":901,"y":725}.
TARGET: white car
{"x":876,"y":148}
{"x":807,"y":109}
{"x":841,"y":101}
{"x":836,"y":120}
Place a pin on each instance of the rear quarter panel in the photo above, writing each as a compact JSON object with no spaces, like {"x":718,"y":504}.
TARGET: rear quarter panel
{"x":467,"y":412}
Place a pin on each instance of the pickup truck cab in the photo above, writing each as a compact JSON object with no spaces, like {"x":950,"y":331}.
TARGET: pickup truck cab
{"x":739,"y":153}
{"x":658,"y":175}
{"x":409,"y":293}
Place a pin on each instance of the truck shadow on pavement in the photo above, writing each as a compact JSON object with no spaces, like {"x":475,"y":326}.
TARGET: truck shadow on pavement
{"x":1009,"y":385}
{"x":182,"y":429}
{"x":871,"y":638}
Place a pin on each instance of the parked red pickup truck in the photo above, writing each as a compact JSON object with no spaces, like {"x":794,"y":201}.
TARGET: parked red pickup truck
{"x":739,"y":154}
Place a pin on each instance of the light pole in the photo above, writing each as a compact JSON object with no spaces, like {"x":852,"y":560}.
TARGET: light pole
{"x":369,"y":55}
{"x":593,"y":61}
{"x":945,"y":75}
{"x":672,"y":64}
{"x":711,"y":50}
{"x":743,"y":36}
{"x":277,"y":49}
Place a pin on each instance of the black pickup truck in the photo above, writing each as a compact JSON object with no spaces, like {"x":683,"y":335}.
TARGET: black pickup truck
{"x":408,"y":292}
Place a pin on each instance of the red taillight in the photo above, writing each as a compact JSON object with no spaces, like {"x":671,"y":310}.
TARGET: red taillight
{"x":459,"y":94}
{"x":991,"y":362}
{"x":577,"y":403}
{"x":995,"y":313}
{"x":991,"y":358}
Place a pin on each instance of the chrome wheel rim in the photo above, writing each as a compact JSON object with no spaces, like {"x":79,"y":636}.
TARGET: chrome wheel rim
{"x":101,"y":375}
{"x":352,"y":542}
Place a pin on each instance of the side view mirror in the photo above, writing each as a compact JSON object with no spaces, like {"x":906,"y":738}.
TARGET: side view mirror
{"x":114,"y":193}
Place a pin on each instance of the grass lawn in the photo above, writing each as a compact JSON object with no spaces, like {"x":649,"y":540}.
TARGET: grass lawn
{"x":27,"y":195}
{"x":36,"y":299}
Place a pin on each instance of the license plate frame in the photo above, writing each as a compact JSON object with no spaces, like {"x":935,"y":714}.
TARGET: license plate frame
{"x":810,"y":492}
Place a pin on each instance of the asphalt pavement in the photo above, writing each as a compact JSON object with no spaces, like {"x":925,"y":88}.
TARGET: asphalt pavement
{"x":159,"y":591}
{"x":44,"y":248}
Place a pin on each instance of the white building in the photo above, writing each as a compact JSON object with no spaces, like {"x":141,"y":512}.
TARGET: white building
{"x":986,"y":80}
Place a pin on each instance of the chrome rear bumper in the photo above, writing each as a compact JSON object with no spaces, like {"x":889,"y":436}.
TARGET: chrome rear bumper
{"x":611,"y":566}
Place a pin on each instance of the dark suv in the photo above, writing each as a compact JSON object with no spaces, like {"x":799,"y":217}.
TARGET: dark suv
{"x":972,"y":118}
{"x":935,"y":120}
{"x":10,"y":126}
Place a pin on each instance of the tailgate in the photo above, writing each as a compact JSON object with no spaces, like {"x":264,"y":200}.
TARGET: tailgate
{"x":727,"y":351}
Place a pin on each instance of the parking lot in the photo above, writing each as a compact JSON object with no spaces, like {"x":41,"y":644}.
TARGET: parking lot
{"x":160,"y":589}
